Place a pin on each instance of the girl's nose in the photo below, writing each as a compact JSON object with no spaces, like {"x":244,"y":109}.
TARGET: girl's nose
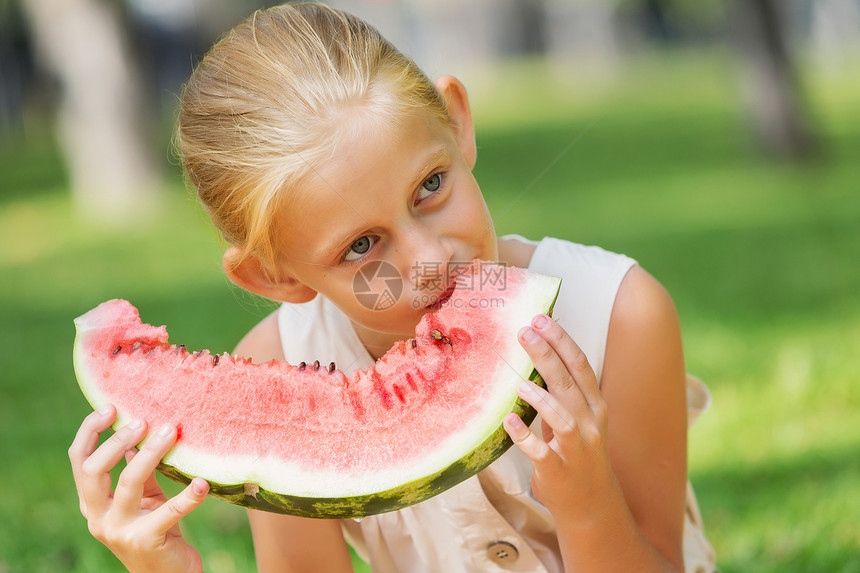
{"x":429,"y":259}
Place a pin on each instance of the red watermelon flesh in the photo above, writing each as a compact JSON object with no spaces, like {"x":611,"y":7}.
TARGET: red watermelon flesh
{"x":307,"y":440}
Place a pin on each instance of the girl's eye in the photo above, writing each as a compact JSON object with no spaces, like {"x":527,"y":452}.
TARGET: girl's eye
{"x":430,"y":186}
{"x":359,"y":248}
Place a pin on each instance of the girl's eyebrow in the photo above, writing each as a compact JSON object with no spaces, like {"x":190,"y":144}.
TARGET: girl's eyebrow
{"x":434,"y":157}
{"x":333,"y":249}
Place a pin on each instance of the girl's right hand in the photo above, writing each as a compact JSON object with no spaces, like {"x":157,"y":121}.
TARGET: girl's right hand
{"x":136,"y":522}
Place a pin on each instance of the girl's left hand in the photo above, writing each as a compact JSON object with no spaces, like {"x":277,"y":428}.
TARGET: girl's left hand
{"x":571,"y":462}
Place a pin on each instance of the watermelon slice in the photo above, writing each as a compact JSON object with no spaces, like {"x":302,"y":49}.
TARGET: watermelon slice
{"x":305,"y":439}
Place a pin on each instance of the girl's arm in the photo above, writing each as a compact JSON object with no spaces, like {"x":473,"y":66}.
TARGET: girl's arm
{"x":288,"y":544}
{"x":611,"y":464}
{"x":644,"y":385}
{"x":284,"y":543}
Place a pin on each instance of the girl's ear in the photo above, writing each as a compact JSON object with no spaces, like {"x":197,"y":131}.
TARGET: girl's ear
{"x":248,"y":273}
{"x":454,"y":93}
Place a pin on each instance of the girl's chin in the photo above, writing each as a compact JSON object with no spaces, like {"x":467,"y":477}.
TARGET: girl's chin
{"x":402,"y":323}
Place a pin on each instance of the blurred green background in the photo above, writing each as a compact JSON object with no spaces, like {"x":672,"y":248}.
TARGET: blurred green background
{"x":656,"y":161}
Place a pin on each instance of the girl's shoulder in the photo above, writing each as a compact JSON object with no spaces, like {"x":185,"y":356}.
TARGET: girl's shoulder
{"x":263,"y":341}
{"x":590,"y":281}
{"x":580,"y":258}
{"x":559,"y":257}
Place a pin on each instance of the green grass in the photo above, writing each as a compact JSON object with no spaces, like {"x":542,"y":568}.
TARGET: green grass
{"x":760,"y":256}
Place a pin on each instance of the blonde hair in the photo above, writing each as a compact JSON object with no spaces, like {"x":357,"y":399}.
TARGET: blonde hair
{"x":264,"y":106}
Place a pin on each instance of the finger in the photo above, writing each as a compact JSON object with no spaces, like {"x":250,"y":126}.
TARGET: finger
{"x":175,"y":508}
{"x":571,"y":355}
{"x":87,"y":438}
{"x":152,"y":495}
{"x":552,"y":369}
{"x":95,"y":470}
{"x":140,"y":471}
{"x":531,"y":445}
{"x":552,"y":412}
{"x":85,"y":443}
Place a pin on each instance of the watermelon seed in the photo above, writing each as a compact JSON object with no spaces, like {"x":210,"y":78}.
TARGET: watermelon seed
{"x":215,"y":359}
{"x":181,"y":348}
{"x":316,"y":365}
{"x":331,"y":368}
{"x":136,"y":345}
{"x":302,"y":365}
{"x":436,"y":334}
{"x":116,"y":350}
{"x":414,"y":343}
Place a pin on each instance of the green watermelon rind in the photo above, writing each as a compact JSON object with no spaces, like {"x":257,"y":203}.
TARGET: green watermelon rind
{"x":408,"y":494}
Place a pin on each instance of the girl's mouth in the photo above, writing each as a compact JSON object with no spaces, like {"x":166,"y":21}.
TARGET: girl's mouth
{"x":442,"y":298}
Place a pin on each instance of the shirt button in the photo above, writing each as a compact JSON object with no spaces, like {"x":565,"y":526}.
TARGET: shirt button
{"x":502,"y":553}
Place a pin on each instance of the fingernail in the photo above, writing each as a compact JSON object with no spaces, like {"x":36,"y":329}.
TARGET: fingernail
{"x":530,"y":335}
{"x":540,"y":322}
{"x":200,"y":486}
{"x":135,"y":424}
{"x":104,"y":411}
{"x":165,"y":430}
{"x":524,"y":388}
{"x":514,"y":421}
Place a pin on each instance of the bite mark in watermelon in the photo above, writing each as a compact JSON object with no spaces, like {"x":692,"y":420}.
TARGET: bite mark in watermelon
{"x":306,"y":440}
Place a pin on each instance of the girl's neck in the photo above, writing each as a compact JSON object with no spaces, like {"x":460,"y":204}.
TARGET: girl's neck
{"x":515,"y":253}
{"x":376,"y":343}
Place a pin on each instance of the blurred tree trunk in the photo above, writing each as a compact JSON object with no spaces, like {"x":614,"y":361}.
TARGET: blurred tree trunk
{"x":14,"y":67}
{"x":582,"y":37}
{"x":101,"y":117}
{"x":769,"y":79}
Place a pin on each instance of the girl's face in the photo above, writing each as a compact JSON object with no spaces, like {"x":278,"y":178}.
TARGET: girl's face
{"x":395,"y":209}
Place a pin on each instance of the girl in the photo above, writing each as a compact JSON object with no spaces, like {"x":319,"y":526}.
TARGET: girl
{"x":316,"y":147}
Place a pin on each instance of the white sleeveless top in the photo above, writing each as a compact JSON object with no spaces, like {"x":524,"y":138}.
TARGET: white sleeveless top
{"x":491,"y":522}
